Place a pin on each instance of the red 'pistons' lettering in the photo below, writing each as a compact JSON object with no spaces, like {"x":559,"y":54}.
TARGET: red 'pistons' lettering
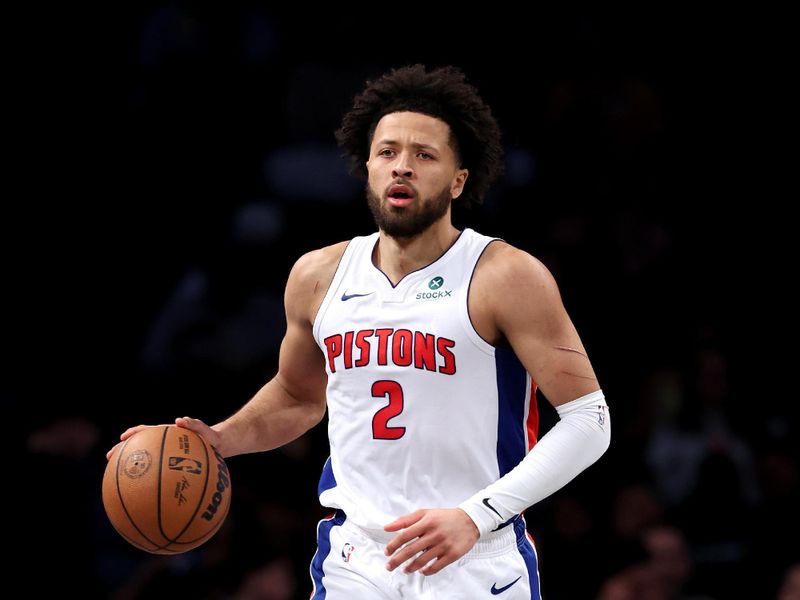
{"x":363,"y":345}
{"x":401,"y":348}
{"x":424,"y":351}
{"x":443,"y":345}
{"x":348,"y":349}
{"x":333,"y":344}
{"x":383,"y":339}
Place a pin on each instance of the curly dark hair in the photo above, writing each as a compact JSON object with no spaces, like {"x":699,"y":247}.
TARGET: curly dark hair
{"x":442,"y":93}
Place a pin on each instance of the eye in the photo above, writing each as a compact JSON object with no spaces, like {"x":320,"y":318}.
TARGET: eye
{"x":386,"y":152}
{"x":424,"y":156}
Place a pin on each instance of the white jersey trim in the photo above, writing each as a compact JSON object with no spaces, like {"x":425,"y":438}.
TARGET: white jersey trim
{"x":334,"y":285}
{"x":480,"y":343}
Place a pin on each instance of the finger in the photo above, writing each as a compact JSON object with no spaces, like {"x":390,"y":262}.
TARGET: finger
{"x":437,"y":565}
{"x":435,"y":550}
{"x":199,"y":427}
{"x":429,"y":557}
{"x":401,"y":539}
{"x":407,"y":552}
{"x":398,"y":541}
{"x":190,"y":423}
{"x":405,"y":520}
{"x":420,"y":561}
{"x":114,"y":449}
{"x":131,"y":430}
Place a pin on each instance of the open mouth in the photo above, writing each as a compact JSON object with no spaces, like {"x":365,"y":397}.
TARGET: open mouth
{"x":400,"y":195}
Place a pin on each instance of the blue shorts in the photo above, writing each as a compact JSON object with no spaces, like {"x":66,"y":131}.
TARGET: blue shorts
{"x":350,"y":565}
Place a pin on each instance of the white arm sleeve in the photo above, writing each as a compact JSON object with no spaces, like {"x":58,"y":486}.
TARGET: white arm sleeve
{"x":580,"y":437}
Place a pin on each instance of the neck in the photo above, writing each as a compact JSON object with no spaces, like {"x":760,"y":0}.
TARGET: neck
{"x":397,"y":257}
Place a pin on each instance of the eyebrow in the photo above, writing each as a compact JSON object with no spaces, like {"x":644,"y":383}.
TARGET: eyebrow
{"x":387,"y":142}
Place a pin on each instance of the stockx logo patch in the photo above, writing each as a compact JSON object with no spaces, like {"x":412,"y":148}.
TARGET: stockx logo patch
{"x":436,"y":283}
{"x":434,"y":290}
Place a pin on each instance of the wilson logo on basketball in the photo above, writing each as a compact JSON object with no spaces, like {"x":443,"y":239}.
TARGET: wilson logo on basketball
{"x":187,"y":465}
{"x":137,"y":464}
{"x":223,"y":483}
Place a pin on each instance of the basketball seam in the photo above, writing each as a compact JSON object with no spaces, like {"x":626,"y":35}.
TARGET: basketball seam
{"x":205,"y":535}
{"x":158,"y":494}
{"x":138,"y":545}
{"x":173,"y":540}
{"x":122,"y":500}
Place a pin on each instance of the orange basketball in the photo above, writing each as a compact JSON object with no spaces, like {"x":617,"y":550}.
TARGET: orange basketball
{"x":166,"y":490}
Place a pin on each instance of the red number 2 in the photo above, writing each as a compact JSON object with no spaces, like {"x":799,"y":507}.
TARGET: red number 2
{"x":380,"y":429}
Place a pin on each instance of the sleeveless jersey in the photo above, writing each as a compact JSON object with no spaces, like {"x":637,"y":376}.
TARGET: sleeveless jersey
{"x":422,"y":411}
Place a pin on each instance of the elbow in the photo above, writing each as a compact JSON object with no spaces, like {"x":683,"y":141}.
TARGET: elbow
{"x":596,"y":443}
{"x":316,"y":413}
{"x":596,"y":427}
{"x":606,"y":441}
{"x":603,"y":433}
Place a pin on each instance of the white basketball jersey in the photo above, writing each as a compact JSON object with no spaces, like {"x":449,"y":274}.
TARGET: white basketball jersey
{"x":422,"y":411}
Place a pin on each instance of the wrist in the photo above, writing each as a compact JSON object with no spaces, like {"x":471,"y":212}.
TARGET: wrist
{"x":483,"y":519}
{"x":220,"y":439}
{"x":471,"y":522}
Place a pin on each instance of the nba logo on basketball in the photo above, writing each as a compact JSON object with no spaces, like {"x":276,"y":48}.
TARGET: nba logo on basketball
{"x":188,"y":465}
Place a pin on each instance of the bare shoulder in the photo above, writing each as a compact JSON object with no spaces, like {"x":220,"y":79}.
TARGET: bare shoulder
{"x":528,"y":291}
{"x":318,"y":264}
{"x":514,"y":271}
{"x":310,"y":278}
{"x":520,"y":301}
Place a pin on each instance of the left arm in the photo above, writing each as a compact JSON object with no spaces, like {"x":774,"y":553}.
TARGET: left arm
{"x":531,"y":317}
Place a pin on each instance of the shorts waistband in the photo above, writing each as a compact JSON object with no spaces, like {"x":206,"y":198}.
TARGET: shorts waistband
{"x":489,"y":543}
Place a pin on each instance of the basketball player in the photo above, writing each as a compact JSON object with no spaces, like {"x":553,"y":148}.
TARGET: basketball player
{"x":426,"y":345}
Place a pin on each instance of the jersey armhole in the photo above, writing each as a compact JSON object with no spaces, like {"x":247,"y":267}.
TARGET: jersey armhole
{"x":341,"y":267}
{"x":466,"y":320}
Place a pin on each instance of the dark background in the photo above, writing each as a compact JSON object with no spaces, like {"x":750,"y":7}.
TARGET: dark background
{"x":175,"y":159}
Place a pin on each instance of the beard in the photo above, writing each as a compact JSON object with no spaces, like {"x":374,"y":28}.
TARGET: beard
{"x":408,"y":221}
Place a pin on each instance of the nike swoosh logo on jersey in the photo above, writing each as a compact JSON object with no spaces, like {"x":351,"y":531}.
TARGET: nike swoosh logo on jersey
{"x":496,"y":590}
{"x":347,"y":296}
{"x":492,"y":508}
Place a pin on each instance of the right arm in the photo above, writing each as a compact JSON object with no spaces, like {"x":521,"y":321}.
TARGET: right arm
{"x":294,"y":400}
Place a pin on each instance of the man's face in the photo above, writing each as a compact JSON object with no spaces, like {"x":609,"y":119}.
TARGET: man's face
{"x":413,"y":173}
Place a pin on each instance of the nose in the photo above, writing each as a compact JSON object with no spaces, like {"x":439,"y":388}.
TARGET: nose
{"x":402,"y":167}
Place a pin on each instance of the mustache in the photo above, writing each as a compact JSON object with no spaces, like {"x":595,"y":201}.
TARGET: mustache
{"x":403,"y":182}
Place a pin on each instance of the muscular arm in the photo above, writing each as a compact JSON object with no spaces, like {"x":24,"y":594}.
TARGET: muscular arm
{"x":530,"y":315}
{"x":294,"y":400}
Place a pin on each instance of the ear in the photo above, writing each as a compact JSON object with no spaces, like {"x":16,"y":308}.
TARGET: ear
{"x":458,"y":183}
